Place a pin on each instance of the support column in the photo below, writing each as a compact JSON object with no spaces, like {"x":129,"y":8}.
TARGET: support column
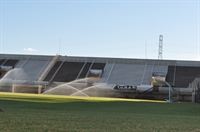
{"x":13,"y":88}
{"x":39,"y":89}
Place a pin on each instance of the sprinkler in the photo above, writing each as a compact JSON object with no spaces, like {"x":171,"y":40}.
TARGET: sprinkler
{"x":1,"y":110}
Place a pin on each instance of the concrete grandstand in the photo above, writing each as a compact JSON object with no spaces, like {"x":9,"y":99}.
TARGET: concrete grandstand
{"x":121,"y":77}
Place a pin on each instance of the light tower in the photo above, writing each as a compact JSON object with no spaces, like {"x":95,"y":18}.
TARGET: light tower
{"x":160,"y":47}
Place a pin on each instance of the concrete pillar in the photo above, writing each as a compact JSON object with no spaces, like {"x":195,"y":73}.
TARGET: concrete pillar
{"x":39,"y":89}
{"x":13,"y":88}
{"x":193,"y":97}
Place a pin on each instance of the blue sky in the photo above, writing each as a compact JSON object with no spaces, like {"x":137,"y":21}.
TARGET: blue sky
{"x":100,"y":28}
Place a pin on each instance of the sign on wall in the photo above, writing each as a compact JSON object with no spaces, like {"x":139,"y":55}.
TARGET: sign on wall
{"x":159,"y":74}
{"x":6,"y":67}
{"x":125,"y":87}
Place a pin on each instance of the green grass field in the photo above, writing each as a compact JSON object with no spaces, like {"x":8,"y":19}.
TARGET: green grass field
{"x":46,"y":113}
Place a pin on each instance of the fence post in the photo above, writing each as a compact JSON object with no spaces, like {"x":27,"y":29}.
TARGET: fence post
{"x":198,"y":93}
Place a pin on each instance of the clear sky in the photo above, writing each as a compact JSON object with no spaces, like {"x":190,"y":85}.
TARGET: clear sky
{"x":101,"y":28}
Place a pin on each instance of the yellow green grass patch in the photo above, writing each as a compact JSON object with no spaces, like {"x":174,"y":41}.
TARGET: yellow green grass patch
{"x":57,"y":98}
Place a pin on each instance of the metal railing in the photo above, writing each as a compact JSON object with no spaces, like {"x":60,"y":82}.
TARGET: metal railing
{"x":47,"y":69}
{"x":110,"y":72}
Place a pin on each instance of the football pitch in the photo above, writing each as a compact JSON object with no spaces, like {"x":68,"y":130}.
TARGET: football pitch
{"x":50,"y":113}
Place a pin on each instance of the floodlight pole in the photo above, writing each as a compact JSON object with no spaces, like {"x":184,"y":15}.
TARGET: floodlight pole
{"x":160,"y":47}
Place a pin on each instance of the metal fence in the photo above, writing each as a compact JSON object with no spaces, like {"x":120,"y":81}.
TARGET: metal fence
{"x":197,"y":93}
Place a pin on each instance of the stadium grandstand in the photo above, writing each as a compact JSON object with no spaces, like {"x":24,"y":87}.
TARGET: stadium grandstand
{"x":95,"y":76}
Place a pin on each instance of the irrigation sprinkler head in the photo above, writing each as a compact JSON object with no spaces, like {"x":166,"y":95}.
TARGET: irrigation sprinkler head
{"x":1,"y":110}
